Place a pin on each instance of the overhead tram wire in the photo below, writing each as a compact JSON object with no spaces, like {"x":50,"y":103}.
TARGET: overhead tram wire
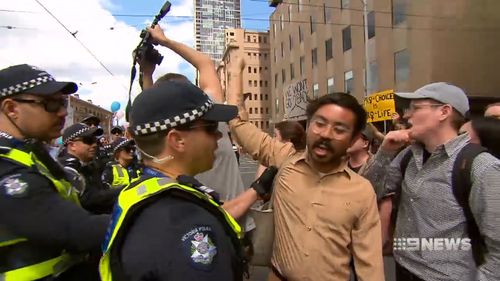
{"x":80,"y":42}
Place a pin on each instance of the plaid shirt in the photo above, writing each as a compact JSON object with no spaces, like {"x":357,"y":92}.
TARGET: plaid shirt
{"x":428,"y":209}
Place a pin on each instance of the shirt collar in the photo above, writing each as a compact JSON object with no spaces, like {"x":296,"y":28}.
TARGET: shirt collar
{"x":343,"y":168}
{"x":450,"y":148}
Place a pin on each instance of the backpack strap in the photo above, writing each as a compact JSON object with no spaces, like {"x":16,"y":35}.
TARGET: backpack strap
{"x":461,"y":185}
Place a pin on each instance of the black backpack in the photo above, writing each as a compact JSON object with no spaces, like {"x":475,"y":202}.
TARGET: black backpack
{"x":461,"y":185}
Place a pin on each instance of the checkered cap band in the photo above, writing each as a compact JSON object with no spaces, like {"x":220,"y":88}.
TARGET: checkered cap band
{"x":26,"y":85}
{"x":121,"y":144}
{"x":162,"y":125}
{"x":76,"y":134}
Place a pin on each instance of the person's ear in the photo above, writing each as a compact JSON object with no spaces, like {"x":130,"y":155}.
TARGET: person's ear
{"x":9,"y":108}
{"x":446,"y":112}
{"x":176,"y":140}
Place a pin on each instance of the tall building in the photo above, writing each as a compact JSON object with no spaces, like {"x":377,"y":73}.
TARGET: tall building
{"x":319,"y":46}
{"x":212,"y":17}
{"x":254,"y":47}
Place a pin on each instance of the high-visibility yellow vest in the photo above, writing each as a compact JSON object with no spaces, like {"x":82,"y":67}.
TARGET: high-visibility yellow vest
{"x":137,"y":192}
{"x":121,"y":177}
{"x":52,"y":263}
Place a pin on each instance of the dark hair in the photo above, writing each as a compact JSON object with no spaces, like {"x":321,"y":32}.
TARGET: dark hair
{"x":488,"y":131}
{"x":343,"y":100}
{"x":294,"y":132}
{"x":172,"y":77}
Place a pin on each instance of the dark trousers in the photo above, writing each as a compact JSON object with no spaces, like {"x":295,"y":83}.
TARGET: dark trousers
{"x":402,"y":274}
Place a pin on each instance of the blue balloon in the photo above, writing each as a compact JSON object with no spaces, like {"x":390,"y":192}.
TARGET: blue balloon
{"x":115,"y":106}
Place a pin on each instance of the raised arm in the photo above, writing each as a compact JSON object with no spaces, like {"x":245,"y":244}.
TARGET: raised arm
{"x":208,"y":80}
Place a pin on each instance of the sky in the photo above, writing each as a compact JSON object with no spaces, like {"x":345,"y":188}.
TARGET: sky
{"x":105,"y":32}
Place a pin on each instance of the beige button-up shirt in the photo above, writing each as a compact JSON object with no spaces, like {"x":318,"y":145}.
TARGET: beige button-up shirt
{"x":320,"y":219}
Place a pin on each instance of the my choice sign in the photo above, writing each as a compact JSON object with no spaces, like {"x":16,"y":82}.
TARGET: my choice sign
{"x":380,"y":106}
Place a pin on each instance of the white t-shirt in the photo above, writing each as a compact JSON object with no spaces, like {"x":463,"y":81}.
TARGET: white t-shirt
{"x":224,"y":177}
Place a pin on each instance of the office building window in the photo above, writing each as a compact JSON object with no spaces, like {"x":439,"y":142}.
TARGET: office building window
{"x":265,"y":83}
{"x":249,"y":69}
{"x":255,"y":83}
{"x":399,"y":11}
{"x":301,"y":7}
{"x":329,"y":49}
{"x":344,"y":4}
{"x":250,"y":110}
{"x":314,"y":56}
{"x":290,"y":39}
{"x":282,"y":22}
{"x":348,"y":81}
{"x":315,"y":90}
{"x":283,"y":76}
{"x":302,"y":65}
{"x":261,"y":97}
{"x":313,"y":24}
{"x":276,"y":80}
{"x":277,"y":105}
{"x":292,"y":72}
{"x":371,"y":24}
{"x":401,"y":66}
{"x":250,"y":97}
{"x":265,"y":40}
{"x":260,"y":83}
{"x":282,"y":52}
{"x":346,"y":38}
{"x":301,"y":35}
{"x":255,"y":96}
{"x":267,"y":110}
{"x":255,"y":70}
{"x":330,"y":85}
{"x":261,"y":110}
{"x":373,"y":77}
{"x":328,"y":11}
{"x":249,"y":83}
{"x":290,"y":7}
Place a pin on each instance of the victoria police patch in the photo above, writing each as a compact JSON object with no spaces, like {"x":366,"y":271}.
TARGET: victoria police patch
{"x":199,"y":246}
{"x":14,"y":186}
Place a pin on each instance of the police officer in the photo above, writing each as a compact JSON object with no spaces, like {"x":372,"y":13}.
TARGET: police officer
{"x":125,"y":168}
{"x":168,"y":226}
{"x":103,"y":154}
{"x":80,"y":142}
{"x":116,"y":133}
{"x":44,"y":233}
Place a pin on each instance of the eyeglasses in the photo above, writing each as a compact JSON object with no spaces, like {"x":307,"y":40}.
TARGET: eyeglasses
{"x":210,"y":128}
{"x":340,"y":132}
{"x":88,"y":140}
{"x":50,"y":105}
{"x":414,"y":107}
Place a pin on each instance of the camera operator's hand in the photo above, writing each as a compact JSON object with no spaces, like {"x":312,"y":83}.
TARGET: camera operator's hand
{"x":147,"y":67}
{"x":157,"y":35}
{"x":264,"y":184}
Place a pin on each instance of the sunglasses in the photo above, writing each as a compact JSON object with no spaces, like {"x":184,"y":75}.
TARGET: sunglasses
{"x":50,"y":105}
{"x":88,"y":140}
{"x":209,"y":127}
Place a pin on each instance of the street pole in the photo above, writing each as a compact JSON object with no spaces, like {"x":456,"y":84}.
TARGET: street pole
{"x":367,"y":61}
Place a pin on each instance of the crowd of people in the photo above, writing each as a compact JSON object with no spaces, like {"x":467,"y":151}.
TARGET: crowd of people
{"x":164,"y":199}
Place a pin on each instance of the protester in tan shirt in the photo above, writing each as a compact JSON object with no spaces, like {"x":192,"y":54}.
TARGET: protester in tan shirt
{"x":324,"y":212}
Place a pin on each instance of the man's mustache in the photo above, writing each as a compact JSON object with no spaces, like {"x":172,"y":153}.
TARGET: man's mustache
{"x":324,"y":142}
